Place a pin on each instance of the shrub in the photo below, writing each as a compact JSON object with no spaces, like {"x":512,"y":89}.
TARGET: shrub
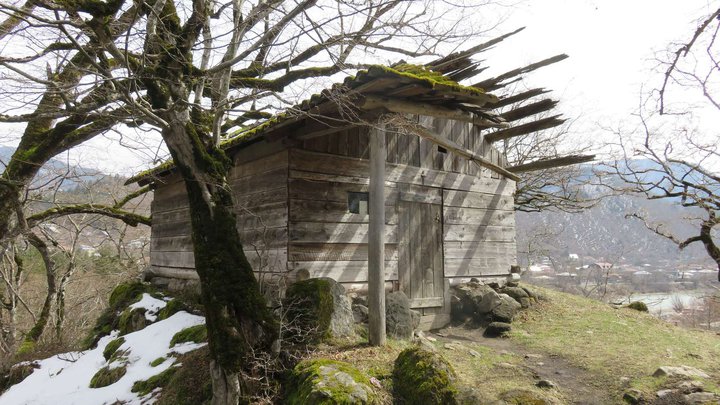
{"x":638,"y":306}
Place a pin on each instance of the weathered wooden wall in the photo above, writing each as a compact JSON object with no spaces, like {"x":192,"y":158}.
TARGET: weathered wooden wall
{"x":259,"y":180}
{"x":293,"y":213}
{"x":477,"y":206}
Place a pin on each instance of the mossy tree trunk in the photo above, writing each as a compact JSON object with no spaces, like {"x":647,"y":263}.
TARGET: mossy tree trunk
{"x":238,"y":320}
{"x":41,"y":322}
{"x":237,"y":317}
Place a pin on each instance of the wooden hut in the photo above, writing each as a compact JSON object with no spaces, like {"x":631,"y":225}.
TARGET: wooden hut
{"x":302,"y":179}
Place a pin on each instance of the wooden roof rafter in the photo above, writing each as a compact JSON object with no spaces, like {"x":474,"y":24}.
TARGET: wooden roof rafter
{"x":544,"y":164}
{"x":524,"y":129}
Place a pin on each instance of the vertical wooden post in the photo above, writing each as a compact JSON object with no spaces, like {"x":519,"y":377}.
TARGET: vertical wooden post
{"x":376,"y":238}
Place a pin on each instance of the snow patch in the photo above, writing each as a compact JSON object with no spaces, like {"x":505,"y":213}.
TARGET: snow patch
{"x":151,"y":305}
{"x":65,"y":378}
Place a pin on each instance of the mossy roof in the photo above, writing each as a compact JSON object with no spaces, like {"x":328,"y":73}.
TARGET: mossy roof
{"x":425,"y":85}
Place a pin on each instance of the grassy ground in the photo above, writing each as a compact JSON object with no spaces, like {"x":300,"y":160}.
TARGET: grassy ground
{"x":609,"y":350}
{"x":614,"y":343}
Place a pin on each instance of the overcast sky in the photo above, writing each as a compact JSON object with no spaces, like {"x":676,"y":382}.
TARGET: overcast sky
{"x":611,"y":44}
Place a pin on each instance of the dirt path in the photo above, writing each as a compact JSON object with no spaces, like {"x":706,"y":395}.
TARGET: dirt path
{"x":575,"y":383}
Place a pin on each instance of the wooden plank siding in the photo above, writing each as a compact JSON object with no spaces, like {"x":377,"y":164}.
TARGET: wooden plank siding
{"x":292,"y":205}
{"x":327,"y":240}
{"x":260,"y":187}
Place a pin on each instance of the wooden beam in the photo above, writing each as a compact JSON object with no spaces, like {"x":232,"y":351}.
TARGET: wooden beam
{"x":376,"y":238}
{"x":449,"y":63}
{"x":461,"y":151}
{"x":524,"y":129}
{"x":527,"y":110}
{"x":496,"y":82}
{"x":407,"y":107}
{"x":515,"y":98}
{"x":551,"y":163}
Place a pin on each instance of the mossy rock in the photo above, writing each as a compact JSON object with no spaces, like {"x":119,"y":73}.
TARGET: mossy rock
{"x":112,"y":347}
{"x":638,"y":306}
{"x":122,"y":296}
{"x":328,"y":382}
{"x":128,"y":293}
{"x":132,"y":320}
{"x":107,"y":376}
{"x":16,"y":374}
{"x":157,"y":381}
{"x":309,"y":305}
{"x":191,"y":383}
{"x":423,"y":377}
{"x":197,"y":334}
{"x":171,"y":308}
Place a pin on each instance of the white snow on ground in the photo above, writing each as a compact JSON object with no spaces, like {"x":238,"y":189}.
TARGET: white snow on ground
{"x":65,"y":378}
{"x":151,"y":304}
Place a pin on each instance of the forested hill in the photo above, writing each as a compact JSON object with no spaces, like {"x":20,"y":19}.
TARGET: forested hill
{"x":604,"y":233}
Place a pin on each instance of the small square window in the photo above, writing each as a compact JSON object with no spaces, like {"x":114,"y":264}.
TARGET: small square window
{"x":441,"y":149}
{"x":358,"y":203}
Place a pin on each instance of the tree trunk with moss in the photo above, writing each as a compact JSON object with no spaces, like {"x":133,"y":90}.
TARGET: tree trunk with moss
{"x":32,"y":337}
{"x":237,"y":318}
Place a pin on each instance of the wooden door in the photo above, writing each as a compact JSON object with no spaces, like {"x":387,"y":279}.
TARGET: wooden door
{"x":420,"y":267}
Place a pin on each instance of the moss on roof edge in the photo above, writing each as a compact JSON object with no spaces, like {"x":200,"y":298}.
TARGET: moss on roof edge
{"x":418,"y":73}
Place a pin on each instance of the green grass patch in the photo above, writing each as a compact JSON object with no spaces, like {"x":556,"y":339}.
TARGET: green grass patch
{"x":491,"y":372}
{"x":197,"y":334}
{"x":612,"y":343}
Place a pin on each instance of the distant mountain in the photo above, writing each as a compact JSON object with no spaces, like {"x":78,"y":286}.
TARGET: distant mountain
{"x":56,"y":173}
{"x":604,"y":233}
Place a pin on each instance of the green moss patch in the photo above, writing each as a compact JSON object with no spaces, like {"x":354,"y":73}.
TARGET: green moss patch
{"x":157,"y":381}
{"x":127,"y":293}
{"x":107,"y":376}
{"x":157,"y":362}
{"x":112,"y":347}
{"x":423,"y":377}
{"x":309,"y":306}
{"x":195,"y":334}
{"x":122,"y":296}
{"x":190,"y":384}
{"x":173,"y":306}
{"x":328,"y":382}
{"x":26,"y":347}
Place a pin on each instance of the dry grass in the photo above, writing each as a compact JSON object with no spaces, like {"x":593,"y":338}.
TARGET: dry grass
{"x":613,"y":343}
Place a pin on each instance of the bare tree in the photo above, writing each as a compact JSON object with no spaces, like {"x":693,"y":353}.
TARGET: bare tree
{"x":675,"y":157}
{"x":196,"y":72}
